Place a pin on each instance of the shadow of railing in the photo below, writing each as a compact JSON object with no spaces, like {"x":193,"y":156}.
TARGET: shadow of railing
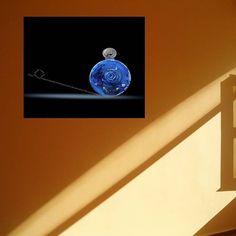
{"x":156,"y":139}
{"x":135,"y":172}
{"x":228,"y":134}
{"x":222,"y":223}
{"x":227,"y":180}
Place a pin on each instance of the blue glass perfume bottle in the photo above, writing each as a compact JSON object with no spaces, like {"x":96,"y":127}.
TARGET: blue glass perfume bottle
{"x":110,"y":77}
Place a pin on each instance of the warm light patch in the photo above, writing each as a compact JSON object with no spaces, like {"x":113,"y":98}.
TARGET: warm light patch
{"x":175,"y":196}
{"x":132,"y":154}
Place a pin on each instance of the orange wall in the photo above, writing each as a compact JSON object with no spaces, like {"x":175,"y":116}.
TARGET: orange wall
{"x":188,"y":44}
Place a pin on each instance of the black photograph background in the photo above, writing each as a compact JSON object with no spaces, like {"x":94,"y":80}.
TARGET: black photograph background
{"x":64,"y":49}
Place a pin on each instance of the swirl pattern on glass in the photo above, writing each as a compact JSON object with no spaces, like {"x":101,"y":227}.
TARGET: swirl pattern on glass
{"x":110,"y":77}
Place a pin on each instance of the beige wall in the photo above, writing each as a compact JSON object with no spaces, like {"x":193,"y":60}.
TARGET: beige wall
{"x":177,"y":195}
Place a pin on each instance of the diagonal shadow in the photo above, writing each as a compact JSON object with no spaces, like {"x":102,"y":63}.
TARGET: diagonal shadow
{"x":222,"y":224}
{"x":226,"y":233}
{"x":135,"y":172}
{"x":225,"y":219}
{"x":158,"y":147}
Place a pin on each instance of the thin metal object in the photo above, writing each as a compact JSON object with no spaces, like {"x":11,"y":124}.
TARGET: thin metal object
{"x":58,"y":83}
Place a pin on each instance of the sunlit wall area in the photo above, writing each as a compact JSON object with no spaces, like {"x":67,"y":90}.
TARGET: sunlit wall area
{"x":175,"y":196}
{"x":126,"y":158}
